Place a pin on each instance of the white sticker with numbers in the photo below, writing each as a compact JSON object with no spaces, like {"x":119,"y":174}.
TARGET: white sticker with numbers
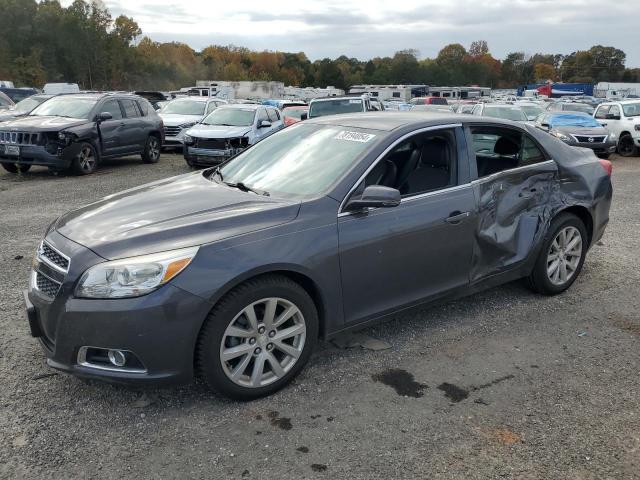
{"x":354,"y":136}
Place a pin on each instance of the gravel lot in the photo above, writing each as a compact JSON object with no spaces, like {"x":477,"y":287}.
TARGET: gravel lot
{"x":503,"y":384}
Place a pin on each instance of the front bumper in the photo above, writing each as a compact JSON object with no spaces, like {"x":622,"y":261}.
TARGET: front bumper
{"x":175,"y":140}
{"x":597,"y":147}
{"x":204,"y":156}
{"x":160,"y":329}
{"x":38,"y":155}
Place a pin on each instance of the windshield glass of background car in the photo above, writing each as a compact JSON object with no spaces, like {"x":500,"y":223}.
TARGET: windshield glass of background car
{"x":531,"y":111}
{"x":301,"y":160}
{"x":579,"y":108}
{"x":184,"y":107}
{"x":574,"y":121}
{"x":631,"y":109}
{"x":294,"y":112}
{"x":234,"y":117}
{"x":27,"y":104}
{"x":72,"y":107}
{"x":334,"y":107}
{"x":505,"y":112}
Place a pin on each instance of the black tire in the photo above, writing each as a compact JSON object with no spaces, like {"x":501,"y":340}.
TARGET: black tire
{"x":86,"y":161}
{"x":151,"y":153}
{"x":539,"y":280}
{"x":209,"y":365}
{"x":626,"y":148}
{"x":15,"y":167}
{"x":604,"y":156}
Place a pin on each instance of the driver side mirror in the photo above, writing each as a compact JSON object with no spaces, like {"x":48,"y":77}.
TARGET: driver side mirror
{"x":545,"y":126}
{"x":104,"y":116}
{"x":611,"y":116}
{"x":304,"y":116}
{"x":264,"y":124}
{"x":375,"y":196}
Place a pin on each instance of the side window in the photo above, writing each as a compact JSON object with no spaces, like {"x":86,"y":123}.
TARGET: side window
{"x":423,"y":163}
{"x":211,"y":107}
{"x":144,"y":107}
{"x":130,"y":109}
{"x":262,"y":115}
{"x":113,"y":108}
{"x":476,"y":110}
{"x":498,"y":149}
{"x":614,"y":110}
{"x":602,"y":111}
{"x":273,"y":115}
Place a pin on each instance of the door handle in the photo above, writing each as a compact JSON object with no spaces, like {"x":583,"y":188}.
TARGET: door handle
{"x":456,"y":217}
{"x":122,"y":124}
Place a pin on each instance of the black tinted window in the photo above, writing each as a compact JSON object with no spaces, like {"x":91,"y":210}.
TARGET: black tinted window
{"x":130,"y":108}
{"x":112,"y":107}
{"x":144,"y":106}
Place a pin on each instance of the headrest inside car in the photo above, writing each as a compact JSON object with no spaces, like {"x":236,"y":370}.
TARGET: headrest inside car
{"x":506,"y":146}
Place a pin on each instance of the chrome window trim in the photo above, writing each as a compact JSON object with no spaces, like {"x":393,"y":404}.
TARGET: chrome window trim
{"x":511,"y":170}
{"x":384,"y":153}
{"x":82,"y":361}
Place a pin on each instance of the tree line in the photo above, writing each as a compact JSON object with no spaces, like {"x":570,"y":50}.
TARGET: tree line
{"x":44,"y":42}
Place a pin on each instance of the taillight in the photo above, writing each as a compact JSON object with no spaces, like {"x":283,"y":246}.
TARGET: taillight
{"x":607,"y":165}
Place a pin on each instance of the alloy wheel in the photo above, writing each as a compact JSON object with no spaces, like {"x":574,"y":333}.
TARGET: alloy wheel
{"x":564,"y":255}
{"x":263,"y":342}
{"x":154,"y":148}
{"x":86,"y":159}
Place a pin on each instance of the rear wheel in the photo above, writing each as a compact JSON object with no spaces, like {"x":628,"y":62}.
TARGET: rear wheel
{"x":15,"y":167}
{"x":257,"y":338}
{"x":561,"y":257}
{"x":86,"y":161}
{"x":626,"y":148}
{"x":151,"y":153}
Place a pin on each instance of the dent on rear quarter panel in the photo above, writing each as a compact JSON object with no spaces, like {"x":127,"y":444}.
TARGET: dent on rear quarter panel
{"x":509,"y":234}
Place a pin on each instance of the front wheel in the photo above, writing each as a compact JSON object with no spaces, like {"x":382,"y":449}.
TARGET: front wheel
{"x":257,"y":338}
{"x":16,"y":167}
{"x":151,"y":153}
{"x":86,"y":161}
{"x":561,"y":257}
{"x":626,"y":148}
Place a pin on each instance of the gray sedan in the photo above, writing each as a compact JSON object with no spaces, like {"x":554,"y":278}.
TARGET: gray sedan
{"x":579,"y":130}
{"x":233,"y":273}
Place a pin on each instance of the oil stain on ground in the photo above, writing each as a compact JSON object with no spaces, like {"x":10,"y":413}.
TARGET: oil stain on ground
{"x":282,"y":423}
{"x":623,"y":322}
{"x":318,"y":467}
{"x":457,"y":394}
{"x":401,"y":381}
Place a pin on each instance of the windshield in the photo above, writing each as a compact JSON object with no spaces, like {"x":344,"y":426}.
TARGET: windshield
{"x":573,"y":121}
{"x":72,"y":107}
{"x":631,"y":109}
{"x":301,"y":160}
{"x":578,"y":107}
{"x":232,"y":117}
{"x":184,"y":107}
{"x":294,"y":112}
{"x":506,"y":113}
{"x":531,"y":111}
{"x":28,"y":104}
{"x":333,"y":107}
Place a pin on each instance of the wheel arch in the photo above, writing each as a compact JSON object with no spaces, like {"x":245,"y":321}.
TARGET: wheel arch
{"x":584,"y":214}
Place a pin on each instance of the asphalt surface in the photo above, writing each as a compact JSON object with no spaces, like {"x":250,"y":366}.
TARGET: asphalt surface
{"x":502,"y":384}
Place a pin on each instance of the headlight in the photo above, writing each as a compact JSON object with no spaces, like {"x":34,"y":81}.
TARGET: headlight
{"x":561,"y":136}
{"x":187,"y":138}
{"x":135,"y":276}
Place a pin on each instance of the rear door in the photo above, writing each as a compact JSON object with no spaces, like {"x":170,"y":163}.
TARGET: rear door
{"x":111,"y":130}
{"x":392,"y":257}
{"x":134,"y":134}
{"x":514,"y":178}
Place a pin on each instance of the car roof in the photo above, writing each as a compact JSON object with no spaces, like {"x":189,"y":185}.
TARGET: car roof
{"x":245,"y":106}
{"x":568,"y":113}
{"x":340,"y":97}
{"x":194,"y":98}
{"x":388,"y":121}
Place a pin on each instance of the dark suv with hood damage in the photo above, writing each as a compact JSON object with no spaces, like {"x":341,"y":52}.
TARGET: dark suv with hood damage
{"x":74,"y":132}
{"x":233,"y":273}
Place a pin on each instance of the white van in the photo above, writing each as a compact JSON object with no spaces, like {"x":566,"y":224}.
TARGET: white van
{"x":57,"y":88}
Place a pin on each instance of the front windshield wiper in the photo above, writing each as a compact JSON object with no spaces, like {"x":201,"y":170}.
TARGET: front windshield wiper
{"x":241,"y":186}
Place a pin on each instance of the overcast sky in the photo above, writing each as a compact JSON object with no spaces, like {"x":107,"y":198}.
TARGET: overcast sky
{"x":369,"y":28}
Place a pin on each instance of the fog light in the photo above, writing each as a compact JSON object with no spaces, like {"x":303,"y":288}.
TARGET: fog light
{"x":117,"y":358}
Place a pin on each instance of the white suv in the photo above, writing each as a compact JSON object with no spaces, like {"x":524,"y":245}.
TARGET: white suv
{"x":622,"y":119}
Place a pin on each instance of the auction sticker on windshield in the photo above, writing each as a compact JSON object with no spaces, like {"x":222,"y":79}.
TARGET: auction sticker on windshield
{"x":354,"y":136}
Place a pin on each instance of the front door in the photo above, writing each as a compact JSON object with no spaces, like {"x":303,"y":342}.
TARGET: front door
{"x":392,"y":257}
{"x":111,"y":130}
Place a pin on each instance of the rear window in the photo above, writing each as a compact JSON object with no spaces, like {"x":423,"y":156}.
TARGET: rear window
{"x":334,"y":107}
{"x":130,"y":108}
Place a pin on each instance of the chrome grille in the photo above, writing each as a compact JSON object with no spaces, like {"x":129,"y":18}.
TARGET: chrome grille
{"x":172,"y":131}
{"x":46,"y":285}
{"x":20,"y":138}
{"x":590,"y":138}
{"x":52,"y":256}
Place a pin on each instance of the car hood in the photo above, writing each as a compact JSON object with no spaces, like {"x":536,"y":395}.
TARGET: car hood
{"x":174,"y":119}
{"x":217,"y":131}
{"x":37,"y":123}
{"x":582,"y":130}
{"x":173,"y":213}
{"x":10,"y":115}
